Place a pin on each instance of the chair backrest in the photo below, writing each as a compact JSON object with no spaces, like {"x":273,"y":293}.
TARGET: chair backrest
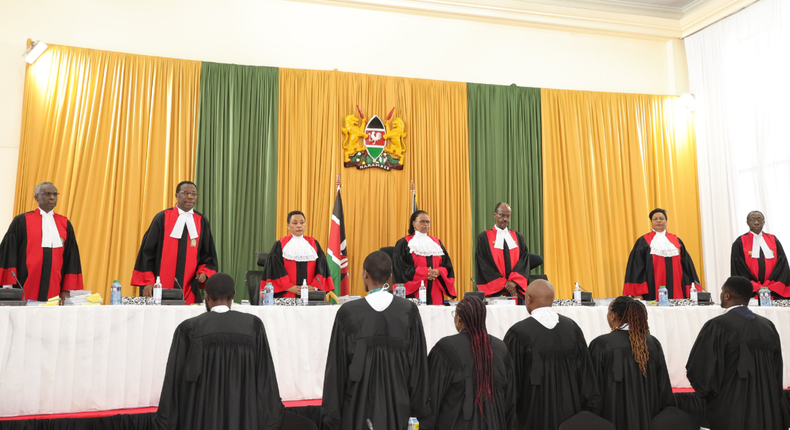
{"x":390,"y":250}
{"x":586,"y":421}
{"x":673,"y":418}
{"x":253,"y":280}
{"x":535,"y":260}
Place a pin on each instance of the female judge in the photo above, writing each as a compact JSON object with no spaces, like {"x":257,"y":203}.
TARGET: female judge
{"x":658,"y":259}
{"x":294,"y":259}
{"x":472,"y":382}
{"x":629,"y":363}
{"x":419,"y":258}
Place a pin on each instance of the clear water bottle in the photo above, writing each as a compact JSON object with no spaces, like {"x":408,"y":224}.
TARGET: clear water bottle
{"x":158,"y":291}
{"x":269,"y":293}
{"x":305,"y":292}
{"x":400,"y":291}
{"x":663,"y":296}
{"x":693,"y":294}
{"x":414,"y":424}
{"x":765,"y":297}
{"x":423,"y":294}
{"x":577,"y":295}
{"x":262,"y":295}
{"x":115,"y":293}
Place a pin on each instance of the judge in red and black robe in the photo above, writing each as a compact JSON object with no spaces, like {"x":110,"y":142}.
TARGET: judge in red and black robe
{"x":297,"y":258}
{"x":659,"y":258}
{"x":177,"y":245}
{"x":41,"y":250}
{"x":760,"y":258}
{"x":419,"y":258}
{"x":502,"y":258}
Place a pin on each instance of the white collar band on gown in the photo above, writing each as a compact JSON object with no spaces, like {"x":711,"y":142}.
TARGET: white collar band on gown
{"x":504,"y":236}
{"x":662,"y":247}
{"x":299,"y":249}
{"x":50,"y":237}
{"x":758,"y":242}
{"x":424,"y":246}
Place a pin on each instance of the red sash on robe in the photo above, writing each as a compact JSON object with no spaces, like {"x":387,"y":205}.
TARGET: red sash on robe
{"x":35,"y":259}
{"x":421,"y":274}
{"x":498,"y":284}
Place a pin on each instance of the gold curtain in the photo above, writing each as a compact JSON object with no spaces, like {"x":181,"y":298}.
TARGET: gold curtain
{"x":608,"y":160}
{"x":376,"y":203}
{"x":115,"y":133}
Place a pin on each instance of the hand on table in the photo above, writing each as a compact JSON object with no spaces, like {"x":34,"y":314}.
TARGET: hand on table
{"x":148,"y":291}
{"x":297,"y":289}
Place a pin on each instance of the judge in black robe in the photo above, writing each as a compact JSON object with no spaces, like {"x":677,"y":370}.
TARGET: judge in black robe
{"x":736,"y":365}
{"x":658,"y":259}
{"x":220,"y":373}
{"x":502,"y":258}
{"x":376,"y":368}
{"x":192,"y":256}
{"x":458,"y":400}
{"x":749,"y":260}
{"x":44,"y":271}
{"x":630,"y":396}
{"x":555,"y":378}
{"x":294,"y":259}
{"x":422,"y":259}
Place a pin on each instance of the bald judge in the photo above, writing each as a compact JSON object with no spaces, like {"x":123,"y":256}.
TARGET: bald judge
{"x":553,"y":369}
{"x":502,"y":257}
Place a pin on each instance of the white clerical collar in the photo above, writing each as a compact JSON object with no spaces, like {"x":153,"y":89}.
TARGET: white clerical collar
{"x":299,"y":249}
{"x":184,"y":219}
{"x":546,"y":317}
{"x":662,"y":247}
{"x":733,"y":307}
{"x":504,"y":236}
{"x":50,"y":237}
{"x":220,"y":309}
{"x":758,"y":243}
{"x":379,"y":300}
{"x":422,"y":245}
{"x":625,"y":327}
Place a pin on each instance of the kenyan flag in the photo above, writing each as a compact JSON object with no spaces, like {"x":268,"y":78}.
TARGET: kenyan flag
{"x":336,"y":254}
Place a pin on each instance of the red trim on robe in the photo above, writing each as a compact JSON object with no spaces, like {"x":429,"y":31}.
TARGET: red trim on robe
{"x":770,"y":263}
{"x":286,"y":282}
{"x":35,"y":257}
{"x":660,"y":268}
{"x":631,"y":289}
{"x":421,"y":274}
{"x":498,"y":284}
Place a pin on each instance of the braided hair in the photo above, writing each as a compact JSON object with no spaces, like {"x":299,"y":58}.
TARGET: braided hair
{"x":633,"y":313}
{"x":472,"y":312}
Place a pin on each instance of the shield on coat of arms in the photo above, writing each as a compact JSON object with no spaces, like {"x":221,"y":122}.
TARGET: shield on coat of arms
{"x":375,"y":142}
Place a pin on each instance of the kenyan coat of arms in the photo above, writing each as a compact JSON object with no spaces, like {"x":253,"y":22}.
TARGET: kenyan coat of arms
{"x":374,"y":145}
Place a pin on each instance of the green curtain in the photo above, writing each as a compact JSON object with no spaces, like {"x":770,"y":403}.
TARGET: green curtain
{"x":505,"y":159}
{"x":236,"y":170}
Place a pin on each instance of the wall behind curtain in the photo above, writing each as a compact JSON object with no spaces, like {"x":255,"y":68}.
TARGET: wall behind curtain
{"x":505,"y":159}
{"x":739,"y":71}
{"x":313,"y":105}
{"x":115,"y":133}
{"x":608,"y":160}
{"x":236,"y":169}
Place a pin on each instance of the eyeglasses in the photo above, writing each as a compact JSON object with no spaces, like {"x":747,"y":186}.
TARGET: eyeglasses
{"x":49,"y":195}
{"x":424,"y":222}
{"x":188,"y":194}
{"x":503,"y":216}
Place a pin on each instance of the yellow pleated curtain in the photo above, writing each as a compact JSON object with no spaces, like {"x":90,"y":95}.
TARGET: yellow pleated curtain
{"x":376,"y":203}
{"x":608,"y":160}
{"x":115,"y":133}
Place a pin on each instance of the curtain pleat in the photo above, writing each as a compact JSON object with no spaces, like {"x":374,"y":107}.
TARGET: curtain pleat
{"x":376,"y":203}
{"x":608,"y":160}
{"x":115,"y":133}
{"x":236,"y":169}
{"x":505,"y":159}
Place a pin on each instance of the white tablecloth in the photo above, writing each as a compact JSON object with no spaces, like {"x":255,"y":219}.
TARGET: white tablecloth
{"x":75,"y":359}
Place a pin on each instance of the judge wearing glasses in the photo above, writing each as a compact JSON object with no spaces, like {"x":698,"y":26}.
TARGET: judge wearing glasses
{"x":502,"y":257}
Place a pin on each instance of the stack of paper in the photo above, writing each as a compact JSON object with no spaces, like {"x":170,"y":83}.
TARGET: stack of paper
{"x":81,"y":297}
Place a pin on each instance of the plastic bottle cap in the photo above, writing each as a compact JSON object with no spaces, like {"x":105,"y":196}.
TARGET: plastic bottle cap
{"x":116,"y":281}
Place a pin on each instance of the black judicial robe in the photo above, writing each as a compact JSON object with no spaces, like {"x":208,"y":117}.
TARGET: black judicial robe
{"x":555,"y":378}
{"x":411,"y":269}
{"x":454,"y":390}
{"x":629,"y":399}
{"x":773,"y":273}
{"x":646,"y":272}
{"x":376,"y":367}
{"x":43,"y":272}
{"x":220,"y":375}
{"x":736,"y":366}
{"x":284,"y":273}
{"x":167,"y":257}
{"x":497,"y":266}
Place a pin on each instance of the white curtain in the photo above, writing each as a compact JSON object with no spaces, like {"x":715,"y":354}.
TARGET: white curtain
{"x":739,"y":72}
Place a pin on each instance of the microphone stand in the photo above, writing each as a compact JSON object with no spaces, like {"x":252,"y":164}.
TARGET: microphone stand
{"x":19,"y":284}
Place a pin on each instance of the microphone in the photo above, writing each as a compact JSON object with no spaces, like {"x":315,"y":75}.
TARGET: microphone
{"x":178,"y":283}
{"x":580,"y":286}
{"x":370,"y":424}
{"x":474,"y":284}
{"x":24,"y":299}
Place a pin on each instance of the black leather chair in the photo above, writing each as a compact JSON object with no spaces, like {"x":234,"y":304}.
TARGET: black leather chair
{"x":253,"y":280}
{"x":673,"y":418}
{"x":586,"y":421}
{"x":390,"y":250}
{"x":535,"y":260}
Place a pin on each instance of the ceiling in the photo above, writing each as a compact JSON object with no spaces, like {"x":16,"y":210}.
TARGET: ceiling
{"x":671,"y":9}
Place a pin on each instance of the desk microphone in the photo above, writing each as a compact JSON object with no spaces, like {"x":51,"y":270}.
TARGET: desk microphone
{"x":178,"y":283}
{"x":474,"y":284}
{"x":370,"y":424}
{"x":580,"y":286}
{"x":24,"y":299}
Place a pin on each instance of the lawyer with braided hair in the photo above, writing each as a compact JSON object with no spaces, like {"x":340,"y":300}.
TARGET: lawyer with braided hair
{"x":471,"y":376}
{"x":632,"y":373}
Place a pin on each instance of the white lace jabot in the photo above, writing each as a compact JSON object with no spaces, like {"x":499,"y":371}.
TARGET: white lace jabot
{"x":503,"y":236}
{"x":424,"y":246}
{"x":759,"y":242}
{"x":50,"y":237}
{"x":662,"y":247}
{"x":299,"y":249}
